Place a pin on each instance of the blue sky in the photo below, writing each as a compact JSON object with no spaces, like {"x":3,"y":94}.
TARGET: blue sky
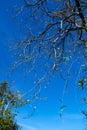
{"x":46,"y":116}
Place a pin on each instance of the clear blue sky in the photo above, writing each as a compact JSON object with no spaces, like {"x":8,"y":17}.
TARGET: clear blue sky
{"x":46,"y":116}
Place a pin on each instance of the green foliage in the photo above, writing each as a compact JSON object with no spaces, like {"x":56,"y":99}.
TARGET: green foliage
{"x":84,"y":100}
{"x":81,"y":83}
{"x":84,"y":27}
{"x":8,"y":124}
{"x":9,"y":101}
{"x":84,"y":5}
{"x":86,"y":44}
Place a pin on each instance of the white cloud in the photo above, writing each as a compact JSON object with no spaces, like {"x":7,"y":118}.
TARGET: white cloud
{"x":27,"y":127}
{"x":68,"y":121}
{"x":73,"y":116}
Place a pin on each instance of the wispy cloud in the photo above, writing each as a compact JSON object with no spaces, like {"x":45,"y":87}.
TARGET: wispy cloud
{"x":73,"y":116}
{"x":68,"y":121}
{"x":27,"y":127}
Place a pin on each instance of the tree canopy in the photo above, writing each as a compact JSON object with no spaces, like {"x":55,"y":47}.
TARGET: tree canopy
{"x":9,"y":102}
{"x":53,"y":40}
{"x":53,"y":36}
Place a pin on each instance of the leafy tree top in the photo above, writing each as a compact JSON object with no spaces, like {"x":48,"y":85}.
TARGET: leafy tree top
{"x":9,"y":100}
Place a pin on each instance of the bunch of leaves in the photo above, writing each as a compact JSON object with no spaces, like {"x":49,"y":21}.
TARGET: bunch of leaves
{"x":84,"y":5}
{"x":7,"y":123}
{"x":9,"y":102}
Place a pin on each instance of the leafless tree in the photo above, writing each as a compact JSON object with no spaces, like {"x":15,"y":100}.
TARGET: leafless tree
{"x":53,"y":38}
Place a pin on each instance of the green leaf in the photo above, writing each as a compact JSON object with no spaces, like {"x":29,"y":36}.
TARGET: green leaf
{"x":84,"y":100}
{"x":81,"y":83}
{"x":86,"y":44}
